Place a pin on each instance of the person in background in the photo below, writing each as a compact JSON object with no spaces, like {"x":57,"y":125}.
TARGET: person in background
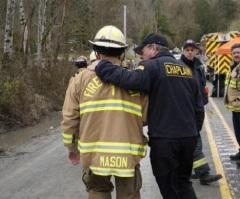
{"x":175,"y":113}
{"x":92,"y":56}
{"x":81,"y":62}
{"x":232,"y":95}
{"x":200,"y":164}
{"x":104,"y":124}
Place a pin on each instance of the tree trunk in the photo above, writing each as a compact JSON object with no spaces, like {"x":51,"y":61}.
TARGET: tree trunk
{"x":24,"y":29}
{"x":8,"y":40}
{"x":41,"y":27}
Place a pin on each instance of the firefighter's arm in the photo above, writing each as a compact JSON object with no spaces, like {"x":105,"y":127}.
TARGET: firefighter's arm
{"x":227,"y":78}
{"x":71,"y":122}
{"x":131,"y":80}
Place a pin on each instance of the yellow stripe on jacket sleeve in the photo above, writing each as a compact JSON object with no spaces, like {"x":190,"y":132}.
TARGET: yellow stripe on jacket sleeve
{"x":69,"y":138}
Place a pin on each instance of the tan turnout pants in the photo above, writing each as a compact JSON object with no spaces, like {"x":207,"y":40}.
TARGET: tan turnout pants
{"x":100,"y":187}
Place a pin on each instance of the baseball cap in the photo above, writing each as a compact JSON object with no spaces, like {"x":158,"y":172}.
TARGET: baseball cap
{"x":150,"y":39}
{"x":190,"y":42}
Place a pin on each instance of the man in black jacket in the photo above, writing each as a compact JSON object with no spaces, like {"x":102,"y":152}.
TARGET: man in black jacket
{"x":200,"y":164}
{"x":175,"y":112}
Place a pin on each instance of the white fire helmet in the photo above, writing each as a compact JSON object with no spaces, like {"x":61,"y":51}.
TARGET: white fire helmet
{"x":92,"y":56}
{"x":109,"y":36}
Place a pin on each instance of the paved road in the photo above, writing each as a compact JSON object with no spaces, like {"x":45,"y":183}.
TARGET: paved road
{"x":38,"y":169}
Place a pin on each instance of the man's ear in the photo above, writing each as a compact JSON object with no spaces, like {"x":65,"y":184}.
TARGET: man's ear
{"x":98,"y":55}
{"x":154,"y":46}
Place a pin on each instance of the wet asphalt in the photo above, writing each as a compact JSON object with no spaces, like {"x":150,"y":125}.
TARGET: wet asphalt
{"x":37,"y":167}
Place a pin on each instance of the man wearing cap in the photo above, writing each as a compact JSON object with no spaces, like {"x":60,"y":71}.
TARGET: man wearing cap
{"x":200,"y":164}
{"x":175,"y":112}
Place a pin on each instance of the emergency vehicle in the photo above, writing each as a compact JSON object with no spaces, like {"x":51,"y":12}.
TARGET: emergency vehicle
{"x":209,"y":44}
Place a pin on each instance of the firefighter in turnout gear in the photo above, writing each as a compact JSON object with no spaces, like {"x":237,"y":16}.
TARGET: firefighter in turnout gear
{"x":103,"y":125}
{"x":232,"y":95}
{"x":92,"y":56}
{"x":200,"y":164}
{"x":81,"y":62}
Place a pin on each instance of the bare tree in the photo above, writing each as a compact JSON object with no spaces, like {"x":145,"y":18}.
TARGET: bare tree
{"x":41,"y":27}
{"x":24,"y":28}
{"x":8,"y":40}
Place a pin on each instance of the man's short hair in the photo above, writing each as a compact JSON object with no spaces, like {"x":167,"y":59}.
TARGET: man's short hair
{"x":235,"y":46}
{"x":113,"y":52}
{"x":162,"y":48}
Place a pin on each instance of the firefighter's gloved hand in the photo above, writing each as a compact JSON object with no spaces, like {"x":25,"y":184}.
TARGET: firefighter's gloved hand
{"x":93,"y":65}
{"x":74,"y":157}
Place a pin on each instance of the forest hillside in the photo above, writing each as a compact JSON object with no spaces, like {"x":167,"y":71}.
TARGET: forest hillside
{"x":42,"y":38}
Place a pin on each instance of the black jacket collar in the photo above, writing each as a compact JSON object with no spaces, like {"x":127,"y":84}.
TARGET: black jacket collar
{"x":191,"y":63}
{"x":160,"y":54}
